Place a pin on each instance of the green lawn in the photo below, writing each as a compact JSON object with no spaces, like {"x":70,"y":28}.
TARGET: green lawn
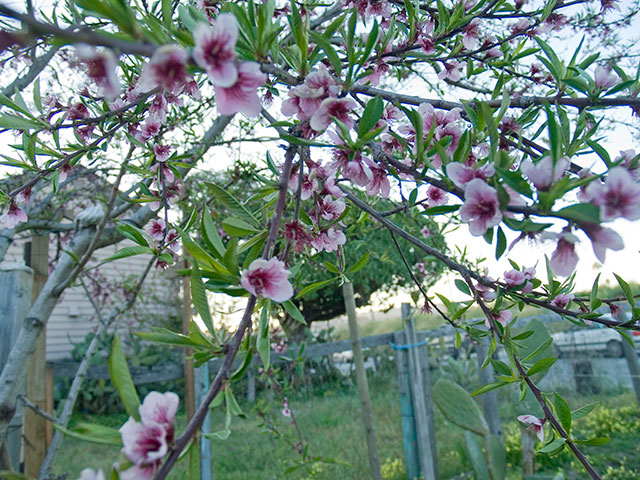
{"x":330,"y":422}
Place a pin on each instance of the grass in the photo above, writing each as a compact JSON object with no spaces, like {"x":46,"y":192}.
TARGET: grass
{"x":330,"y":421}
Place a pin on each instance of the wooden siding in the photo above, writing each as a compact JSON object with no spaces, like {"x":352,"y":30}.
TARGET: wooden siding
{"x":74,"y":316}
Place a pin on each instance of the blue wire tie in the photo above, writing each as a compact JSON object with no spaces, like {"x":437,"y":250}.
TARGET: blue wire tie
{"x":407,"y":346}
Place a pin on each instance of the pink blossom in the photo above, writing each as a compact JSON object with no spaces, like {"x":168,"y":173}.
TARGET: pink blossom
{"x":601,"y":239}
{"x":160,"y":408}
{"x":481,"y":208}
{"x":156,"y":229}
{"x":426,"y":232}
{"x":215,"y":49}
{"x":158,"y":108}
{"x":242,"y":96}
{"x":166,"y":69}
{"x":452,"y":70}
{"x":65,"y":170}
{"x":286,"y":411}
{"x":297,"y":233}
{"x":471,"y":32}
{"x":562,"y":300}
{"x":169,"y":177}
{"x":151,"y":128}
{"x":145,"y":443}
{"x":101,"y":68}
{"x":503,"y":318}
{"x":564,"y":259}
{"x":306,"y":98}
{"x":89,"y":474}
{"x":460,"y":174}
{"x":13,"y":216}
{"x":529,"y":273}
{"x":191,"y":88}
{"x":329,"y":209}
{"x":24,"y":196}
{"x":329,"y":240}
{"x":267,"y":278}
{"x":485,"y":292}
{"x":604,"y":78}
{"x":337,"y":108}
{"x":436,"y":196}
{"x":77,"y":111}
{"x":544,"y":174}
{"x":514,"y":278}
{"x":619,"y":196}
{"x":162,"y":152}
{"x":379,"y":183}
{"x":535,"y":424}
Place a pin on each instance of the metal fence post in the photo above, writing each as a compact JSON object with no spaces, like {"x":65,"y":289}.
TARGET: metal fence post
{"x":202,"y":387}
{"x":16,"y":282}
{"x":409,"y":437}
{"x":422,"y":399}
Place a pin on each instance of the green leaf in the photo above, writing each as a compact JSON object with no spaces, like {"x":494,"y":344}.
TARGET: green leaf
{"x":293,"y":311}
{"x":360,"y":264}
{"x":129,"y":252}
{"x":581,"y":212}
{"x":162,"y":335}
{"x":501,"y":244}
{"x":15,"y":122}
{"x":103,"y":440}
{"x":315,"y":286}
{"x":326,"y":45}
{"x":584,"y":411}
{"x":372,"y":113}
{"x":553,"y":447}
{"x":462,"y":286}
{"x":121,"y":378}
{"x":601,"y":152}
{"x":210,"y":234}
{"x":594,"y":301}
{"x":199,"y":297}
{"x":135,"y":234}
{"x":563,"y":411}
{"x":167,"y":12}
{"x":626,"y":289}
{"x":263,"y":344}
{"x":488,"y":387}
{"x":236,"y":227}
{"x":7,"y":102}
{"x":595,"y":441}
{"x":541,"y":365}
{"x":229,"y":201}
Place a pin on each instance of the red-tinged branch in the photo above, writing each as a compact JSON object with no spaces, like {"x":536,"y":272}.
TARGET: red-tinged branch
{"x":231,"y":348}
{"x":514,"y":102}
{"x":533,"y":387}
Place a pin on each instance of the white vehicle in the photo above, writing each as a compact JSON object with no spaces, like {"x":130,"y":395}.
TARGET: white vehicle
{"x":595,"y":338}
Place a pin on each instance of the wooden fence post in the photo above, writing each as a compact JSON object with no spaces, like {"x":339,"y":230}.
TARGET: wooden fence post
{"x":421,"y":396}
{"x":361,"y":378}
{"x":16,"y":282}
{"x":409,"y":437}
{"x":35,"y":426}
{"x":489,"y":399}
